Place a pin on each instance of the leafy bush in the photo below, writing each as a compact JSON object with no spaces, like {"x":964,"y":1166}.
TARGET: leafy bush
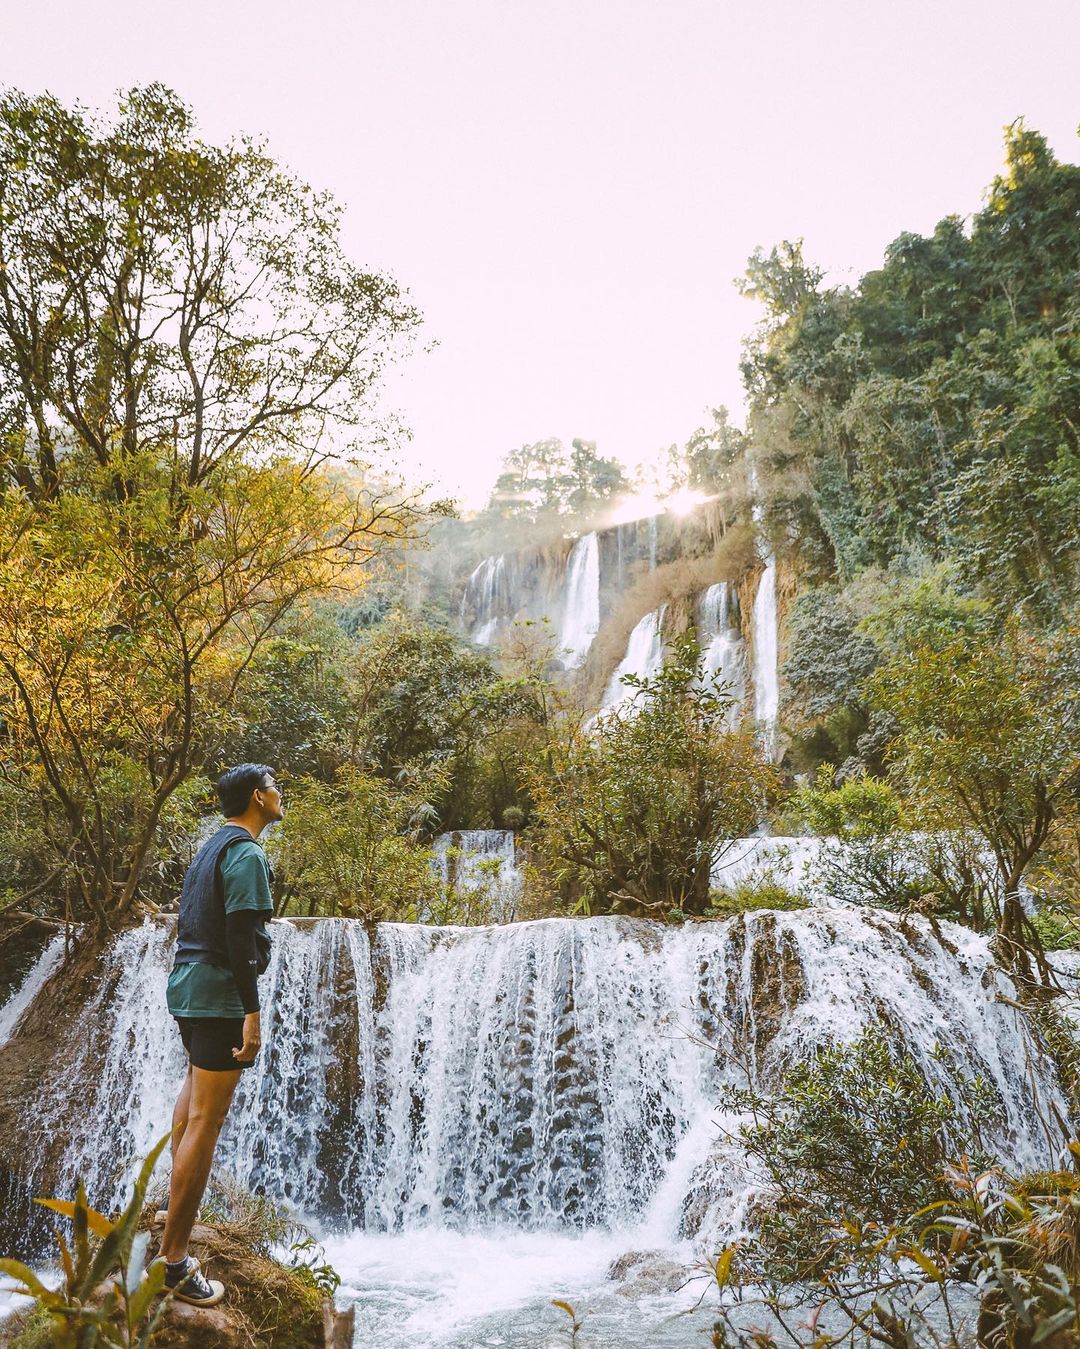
{"x":884,"y":1223}
{"x":870,"y":855}
{"x":856,"y":1135}
{"x":83,"y":1311}
{"x":749,"y":897}
{"x":351,"y":849}
{"x":633,"y":811}
{"x":989,"y":729}
{"x":998,"y":1252}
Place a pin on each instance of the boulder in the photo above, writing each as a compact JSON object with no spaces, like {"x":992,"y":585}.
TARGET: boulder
{"x":647,"y":1273}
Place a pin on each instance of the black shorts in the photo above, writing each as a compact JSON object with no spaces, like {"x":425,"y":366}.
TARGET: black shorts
{"x":210,"y":1041}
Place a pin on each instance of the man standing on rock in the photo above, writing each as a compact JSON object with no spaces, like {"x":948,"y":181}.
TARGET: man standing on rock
{"x":221,"y":948}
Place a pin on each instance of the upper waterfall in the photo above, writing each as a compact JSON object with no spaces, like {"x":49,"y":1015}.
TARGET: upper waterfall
{"x":581,"y":605}
{"x":644,"y":657}
{"x":486,"y":600}
{"x":723,"y":648}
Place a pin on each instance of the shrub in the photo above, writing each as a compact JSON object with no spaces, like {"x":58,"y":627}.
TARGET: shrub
{"x":634,"y":810}
{"x":350,"y":849}
{"x":857,"y":1135}
{"x":748,"y":897}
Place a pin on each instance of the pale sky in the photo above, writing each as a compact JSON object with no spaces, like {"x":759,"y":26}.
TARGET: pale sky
{"x":568,"y":188}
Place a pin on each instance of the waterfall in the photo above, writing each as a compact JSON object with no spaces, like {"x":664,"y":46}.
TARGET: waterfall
{"x":483,"y":860}
{"x":486,"y":601}
{"x":766,"y":635}
{"x":548,"y":1075}
{"x":766,"y":653}
{"x":38,"y":975}
{"x":644,"y":658}
{"x":581,"y":605}
{"x":723,"y":649}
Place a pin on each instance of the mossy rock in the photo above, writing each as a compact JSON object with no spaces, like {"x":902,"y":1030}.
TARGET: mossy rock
{"x":266,"y":1303}
{"x":27,"y":1330}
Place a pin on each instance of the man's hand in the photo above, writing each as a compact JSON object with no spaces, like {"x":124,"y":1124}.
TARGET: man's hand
{"x":252,"y":1039}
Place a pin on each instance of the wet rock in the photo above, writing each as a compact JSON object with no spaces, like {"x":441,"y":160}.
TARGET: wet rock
{"x":646,"y":1273}
{"x":198,"y":1326}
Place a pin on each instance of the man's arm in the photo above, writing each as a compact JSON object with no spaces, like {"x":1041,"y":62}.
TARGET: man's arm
{"x":247,"y":905}
{"x":240,"y":928}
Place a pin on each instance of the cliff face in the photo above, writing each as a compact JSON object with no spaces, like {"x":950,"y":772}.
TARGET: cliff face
{"x":593,"y":592}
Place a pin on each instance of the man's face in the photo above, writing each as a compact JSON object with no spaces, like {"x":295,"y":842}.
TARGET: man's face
{"x":270,"y":796}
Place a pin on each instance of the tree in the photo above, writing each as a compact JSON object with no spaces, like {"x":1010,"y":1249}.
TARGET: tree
{"x":591,"y":479}
{"x":183,"y":347}
{"x":989,"y":739}
{"x":422,"y":700}
{"x":541,"y":479}
{"x":634,"y":811}
{"x":935,"y":407}
{"x":352,"y":849}
{"x":781,"y":280}
{"x":531,"y":480}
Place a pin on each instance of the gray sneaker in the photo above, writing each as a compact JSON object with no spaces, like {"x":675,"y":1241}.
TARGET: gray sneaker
{"x":189,"y":1284}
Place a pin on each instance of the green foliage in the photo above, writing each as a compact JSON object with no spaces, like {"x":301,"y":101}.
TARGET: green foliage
{"x":308,"y":1259}
{"x":542,"y":479}
{"x":350,"y":848}
{"x":1010,"y":1243}
{"x":989,"y":740}
{"x":882,"y":1219}
{"x":167,"y":498}
{"x":936,"y":405}
{"x":293,"y":708}
{"x":869,"y":854}
{"x":749,"y":898}
{"x":1058,"y":930}
{"x":828,"y":661}
{"x":607,"y":838}
{"x":859,"y":808}
{"x":85,"y":1312}
{"x":856,"y":1136}
{"x":421,"y":699}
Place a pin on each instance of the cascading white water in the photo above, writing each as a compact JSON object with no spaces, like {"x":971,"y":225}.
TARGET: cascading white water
{"x":766,"y":634}
{"x":581,"y":602}
{"x":484,"y":860}
{"x":644,"y":658}
{"x":540,"y":1075}
{"x":486,"y":600}
{"x":766,"y":653}
{"x":723,"y":649}
{"x":35,"y":979}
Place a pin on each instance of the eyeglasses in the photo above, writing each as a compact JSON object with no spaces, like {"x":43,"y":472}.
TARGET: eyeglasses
{"x":272,"y":787}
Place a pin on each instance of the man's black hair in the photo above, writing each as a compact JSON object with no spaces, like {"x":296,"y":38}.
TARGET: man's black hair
{"x":236,"y":786}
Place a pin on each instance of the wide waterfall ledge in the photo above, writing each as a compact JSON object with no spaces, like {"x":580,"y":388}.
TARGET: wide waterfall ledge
{"x":558,"y":1075}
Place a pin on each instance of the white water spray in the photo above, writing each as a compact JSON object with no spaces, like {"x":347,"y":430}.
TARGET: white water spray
{"x":723,"y":649}
{"x":540,"y":1075}
{"x":581,"y":605}
{"x":644,"y":657}
{"x":35,"y":979}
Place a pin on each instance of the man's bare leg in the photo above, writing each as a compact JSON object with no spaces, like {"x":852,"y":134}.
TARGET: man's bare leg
{"x":180,"y":1113}
{"x":209,"y":1098}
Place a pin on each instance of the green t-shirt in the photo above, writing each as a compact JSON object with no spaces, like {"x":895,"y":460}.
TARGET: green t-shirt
{"x":209,"y":990}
